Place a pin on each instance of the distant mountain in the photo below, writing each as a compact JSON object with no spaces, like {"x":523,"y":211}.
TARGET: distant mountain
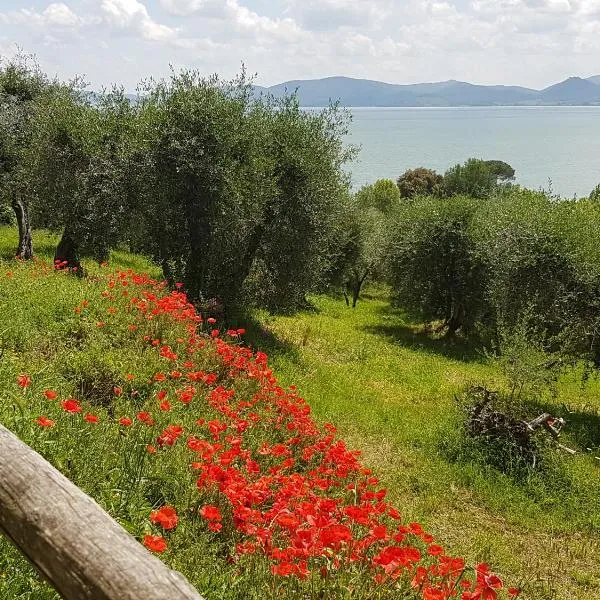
{"x":572,"y":91}
{"x":364,"y":92}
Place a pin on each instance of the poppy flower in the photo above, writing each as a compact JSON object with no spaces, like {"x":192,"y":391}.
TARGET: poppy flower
{"x":71,"y":406}
{"x":125,"y":421}
{"x":166,"y":517}
{"x":44,"y":422}
{"x":155,"y":543}
{"x":90,"y":418}
{"x":23,"y":381}
{"x":211,"y":513}
{"x":50,"y":394}
{"x":117,"y":391}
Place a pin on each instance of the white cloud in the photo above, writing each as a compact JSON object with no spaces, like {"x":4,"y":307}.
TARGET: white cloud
{"x":133,"y":15}
{"x":54,"y":15}
{"x":527,"y":42}
{"x":320,"y":15}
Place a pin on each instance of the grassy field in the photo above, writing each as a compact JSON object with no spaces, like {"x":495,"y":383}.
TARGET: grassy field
{"x":391,"y":388}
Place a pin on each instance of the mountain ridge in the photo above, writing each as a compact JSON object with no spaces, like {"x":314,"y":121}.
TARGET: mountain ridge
{"x":354,"y":92}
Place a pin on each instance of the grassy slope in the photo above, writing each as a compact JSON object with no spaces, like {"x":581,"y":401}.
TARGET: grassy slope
{"x":390,"y":389}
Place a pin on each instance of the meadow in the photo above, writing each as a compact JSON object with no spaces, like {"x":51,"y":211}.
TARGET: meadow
{"x":386,"y":385}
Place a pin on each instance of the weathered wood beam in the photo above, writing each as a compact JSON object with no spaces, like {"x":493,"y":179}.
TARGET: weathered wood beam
{"x":75,"y":545}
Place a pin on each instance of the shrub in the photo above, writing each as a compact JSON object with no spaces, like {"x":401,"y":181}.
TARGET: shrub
{"x":475,"y":178}
{"x":420,"y":182}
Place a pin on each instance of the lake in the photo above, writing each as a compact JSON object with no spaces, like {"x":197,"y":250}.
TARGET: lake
{"x":561,"y":144}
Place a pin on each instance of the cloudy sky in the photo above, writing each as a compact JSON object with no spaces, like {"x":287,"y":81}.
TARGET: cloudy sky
{"x":522,"y":42}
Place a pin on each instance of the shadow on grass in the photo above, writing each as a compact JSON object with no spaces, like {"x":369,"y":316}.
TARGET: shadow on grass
{"x":395,"y":326}
{"x":260,"y":337}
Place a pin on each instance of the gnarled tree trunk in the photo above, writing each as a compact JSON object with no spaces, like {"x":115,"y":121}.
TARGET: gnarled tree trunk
{"x":25,"y":248}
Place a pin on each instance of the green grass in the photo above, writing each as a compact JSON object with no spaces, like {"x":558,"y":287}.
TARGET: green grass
{"x":390,"y":388}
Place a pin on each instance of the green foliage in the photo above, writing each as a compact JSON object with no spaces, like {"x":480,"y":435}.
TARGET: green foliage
{"x":382,"y":195}
{"x":476,"y":178}
{"x":503,"y":171}
{"x":420,"y":182}
{"x":362,"y":235}
{"x":433,"y":268}
{"x":595,"y":194}
{"x":238,"y":198}
{"x":490,"y":264}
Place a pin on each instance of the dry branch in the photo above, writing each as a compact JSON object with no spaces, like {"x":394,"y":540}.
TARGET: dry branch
{"x":73,"y":542}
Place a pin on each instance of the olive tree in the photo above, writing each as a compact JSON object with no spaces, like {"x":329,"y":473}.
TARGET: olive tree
{"x":239,"y":196}
{"x":433,"y":266}
{"x":22,"y":87}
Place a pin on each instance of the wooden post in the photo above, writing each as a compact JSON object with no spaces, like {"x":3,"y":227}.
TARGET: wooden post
{"x":73,"y":542}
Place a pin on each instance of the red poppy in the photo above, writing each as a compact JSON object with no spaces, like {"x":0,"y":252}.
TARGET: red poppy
{"x":44,"y":422}
{"x":145,"y":417}
{"x":155,"y":543}
{"x":117,"y":391}
{"x":125,"y":421}
{"x":90,"y":418}
{"x":23,"y":381}
{"x":71,"y":406}
{"x":50,"y":394}
{"x":166,"y":517}
{"x":211,"y":513}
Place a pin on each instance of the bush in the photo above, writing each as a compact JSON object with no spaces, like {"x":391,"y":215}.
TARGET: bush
{"x":420,"y":182}
{"x":475,"y":178}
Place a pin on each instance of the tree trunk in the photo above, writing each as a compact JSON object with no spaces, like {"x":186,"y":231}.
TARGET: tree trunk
{"x":76,"y":546}
{"x":66,"y":254}
{"x":456,"y":320}
{"x":25,"y":248}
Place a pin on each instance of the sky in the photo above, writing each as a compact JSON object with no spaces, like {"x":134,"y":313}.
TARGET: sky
{"x":533,"y":43}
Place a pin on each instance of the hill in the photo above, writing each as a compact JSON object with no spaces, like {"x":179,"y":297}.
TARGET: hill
{"x":572,"y":91}
{"x":365,"y":92}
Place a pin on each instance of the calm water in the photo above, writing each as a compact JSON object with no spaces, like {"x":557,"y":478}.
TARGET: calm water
{"x":541,"y":143}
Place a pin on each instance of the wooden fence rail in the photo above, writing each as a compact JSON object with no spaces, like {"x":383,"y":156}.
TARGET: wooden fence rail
{"x":76,"y":546}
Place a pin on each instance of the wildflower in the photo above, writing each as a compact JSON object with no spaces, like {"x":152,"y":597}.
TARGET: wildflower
{"x":283,"y":569}
{"x":145,"y":417}
{"x":211,"y":320}
{"x":210,"y":513}
{"x":155,"y":543}
{"x":23,"y":381}
{"x":71,"y":406}
{"x":435,"y":550}
{"x":90,"y":418}
{"x":151,"y":449}
{"x":117,"y":391}
{"x":166,"y":517}
{"x":50,"y":394}
{"x":45,"y":422}
{"x":125,"y":421}
{"x":165,"y":406}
